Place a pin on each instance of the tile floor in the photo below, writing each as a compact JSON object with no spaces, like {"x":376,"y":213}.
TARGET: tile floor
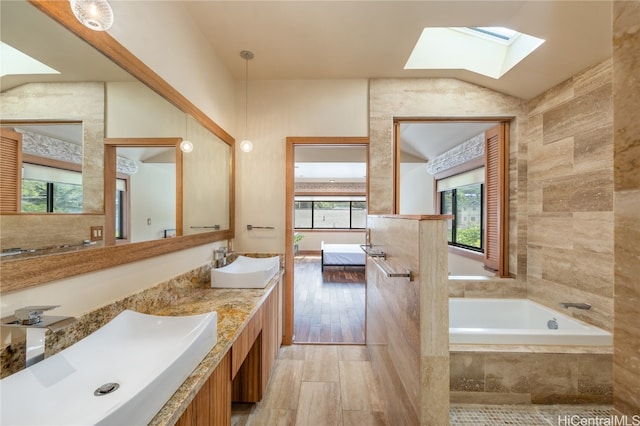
{"x":325,"y":385}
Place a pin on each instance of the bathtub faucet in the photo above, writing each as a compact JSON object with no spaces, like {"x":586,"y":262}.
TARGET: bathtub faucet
{"x":568,"y":305}
{"x":36,"y":324}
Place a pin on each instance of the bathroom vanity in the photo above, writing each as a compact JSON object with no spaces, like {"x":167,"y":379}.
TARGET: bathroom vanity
{"x":239,"y":366}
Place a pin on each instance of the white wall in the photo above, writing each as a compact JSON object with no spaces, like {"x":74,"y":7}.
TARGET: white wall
{"x":278,"y":109}
{"x":153,"y":199}
{"x":417,"y":188}
{"x":163,"y":36}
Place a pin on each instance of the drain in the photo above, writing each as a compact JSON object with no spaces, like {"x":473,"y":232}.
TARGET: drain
{"x":106,"y":389}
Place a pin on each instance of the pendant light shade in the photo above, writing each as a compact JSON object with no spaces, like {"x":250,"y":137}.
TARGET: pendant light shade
{"x":246,"y":145}
{"x":186,"y":146}
{"x":94,"y":14}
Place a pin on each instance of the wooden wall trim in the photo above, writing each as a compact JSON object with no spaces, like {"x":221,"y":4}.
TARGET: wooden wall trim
{"x":17,"y":274}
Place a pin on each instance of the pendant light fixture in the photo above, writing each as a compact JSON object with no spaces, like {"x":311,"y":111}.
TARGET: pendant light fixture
{"x":186,"y":145}
{"x":246,"y":145}
{"x":93,"y":14}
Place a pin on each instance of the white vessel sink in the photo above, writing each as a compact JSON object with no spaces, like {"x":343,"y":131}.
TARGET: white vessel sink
{"x":148,"y":356}
{"x":246,"y":272}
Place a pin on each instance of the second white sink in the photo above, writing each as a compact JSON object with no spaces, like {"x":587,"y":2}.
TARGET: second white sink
{"x":246,"y":272}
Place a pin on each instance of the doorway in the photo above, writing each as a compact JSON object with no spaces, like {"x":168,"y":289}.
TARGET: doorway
{"x":319,"y":210}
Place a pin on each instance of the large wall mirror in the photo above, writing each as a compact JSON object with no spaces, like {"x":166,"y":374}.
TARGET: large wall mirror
{"x":109,"y":137}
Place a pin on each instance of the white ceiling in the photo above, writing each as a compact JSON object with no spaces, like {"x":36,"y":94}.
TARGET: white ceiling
{"x":373,"y":39}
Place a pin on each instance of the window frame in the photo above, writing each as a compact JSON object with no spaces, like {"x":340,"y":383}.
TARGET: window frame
{"x":454,"y":221}
{"x":54,"y":164}
{"x":334,"y":199}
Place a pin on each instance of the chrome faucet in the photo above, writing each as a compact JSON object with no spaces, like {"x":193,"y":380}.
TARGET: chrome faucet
{"x":36,"y":324}
{"x":568,"y":305}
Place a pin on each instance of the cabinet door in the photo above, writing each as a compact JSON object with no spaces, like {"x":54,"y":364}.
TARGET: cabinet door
{"x":271,"y":331}
{"x":212,"y":404}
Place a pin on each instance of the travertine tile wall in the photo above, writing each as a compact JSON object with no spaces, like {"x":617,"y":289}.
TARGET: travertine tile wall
{"x":440,"y":97}
{"x":570,"y":196}
{"x":408,"y":320}
{"x":626,"y":170}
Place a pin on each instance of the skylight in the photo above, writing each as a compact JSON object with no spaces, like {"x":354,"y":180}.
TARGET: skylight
{"x":490,"y":51}
{"x":14,"y":62}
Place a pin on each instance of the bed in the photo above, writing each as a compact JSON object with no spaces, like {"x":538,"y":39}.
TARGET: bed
{"x":341,"y":255}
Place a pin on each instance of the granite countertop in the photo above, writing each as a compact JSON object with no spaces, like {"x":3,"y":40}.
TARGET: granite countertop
{"x":235,"y":307}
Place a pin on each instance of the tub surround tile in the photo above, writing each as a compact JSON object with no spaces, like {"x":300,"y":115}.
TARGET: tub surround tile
{"x":467,"y":372}
{"x":626,"y":86}
{"x":487,"y":287}
{"x":530,"y":375}
{"x":570,"y":195}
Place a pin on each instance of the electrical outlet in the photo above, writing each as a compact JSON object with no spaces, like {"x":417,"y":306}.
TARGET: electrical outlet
{"x":96,"y":233}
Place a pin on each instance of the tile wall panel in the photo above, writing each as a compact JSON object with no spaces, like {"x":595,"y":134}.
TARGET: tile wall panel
{"x":570,"y":195}
{"x":626,"y":101}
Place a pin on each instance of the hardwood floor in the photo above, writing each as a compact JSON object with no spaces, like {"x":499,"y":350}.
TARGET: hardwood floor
{"x":329,"y":306}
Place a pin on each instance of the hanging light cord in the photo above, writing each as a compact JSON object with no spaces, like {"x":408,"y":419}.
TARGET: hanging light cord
{"x":246,"y":95}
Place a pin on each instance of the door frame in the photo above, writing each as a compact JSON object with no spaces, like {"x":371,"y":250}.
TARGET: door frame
{"x":292,"y":142}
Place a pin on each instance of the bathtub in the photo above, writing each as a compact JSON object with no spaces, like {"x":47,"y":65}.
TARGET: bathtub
{"x":517,"y":322}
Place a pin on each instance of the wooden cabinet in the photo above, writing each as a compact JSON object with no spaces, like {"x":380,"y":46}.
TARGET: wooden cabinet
{"x":271,"y":331}
{"x":256,"y":349}
{"x":212,"y":404}
{"x":244,"y":372}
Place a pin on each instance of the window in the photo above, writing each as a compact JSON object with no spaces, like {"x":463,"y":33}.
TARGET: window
{"x":466,"y":204}
{"x":51,"y":190}
{"x":330,"y":212}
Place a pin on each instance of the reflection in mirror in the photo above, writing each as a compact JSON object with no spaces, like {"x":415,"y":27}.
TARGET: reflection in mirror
{"x":441,"y":170}
{"x":102,"y":100}
{"x":145,"y":208}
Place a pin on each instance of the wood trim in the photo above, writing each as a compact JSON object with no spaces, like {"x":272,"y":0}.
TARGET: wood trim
{"x":50,"y":162}
{"x":396,"y":167}
{"x":17,"y":274}
{"x":109,"y":194}
{"x":503,"y":271}
{"x":497,"y":200}
{"x":287,"y":338}
{"x":291,"y":142}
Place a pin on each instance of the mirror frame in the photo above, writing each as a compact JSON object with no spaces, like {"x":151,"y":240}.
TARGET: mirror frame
{"x":22,"y":273}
